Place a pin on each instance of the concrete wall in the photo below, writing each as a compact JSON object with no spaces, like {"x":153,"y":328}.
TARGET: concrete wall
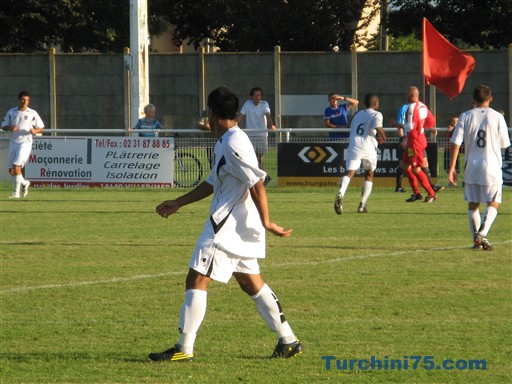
{"x":90,"y":90}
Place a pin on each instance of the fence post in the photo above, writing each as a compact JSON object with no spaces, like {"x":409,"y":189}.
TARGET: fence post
{"x":277,"y":85}
{"x":126,"y":87}
{"x":510,"y":85}
{"x":355,"y":79}
{"x":202,"y":81}
{"x":53,"y":89}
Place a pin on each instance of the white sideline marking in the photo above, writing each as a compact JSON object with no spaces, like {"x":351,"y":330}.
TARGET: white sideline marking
{"x":82,"y":283}
{"x":174,"y":273}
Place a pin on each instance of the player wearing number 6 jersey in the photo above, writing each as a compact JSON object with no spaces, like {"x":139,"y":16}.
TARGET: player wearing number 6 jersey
{"x":484,"y":133}
{"x":366,"y":133}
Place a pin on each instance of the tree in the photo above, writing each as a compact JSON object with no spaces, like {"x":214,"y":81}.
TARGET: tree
{"x":232,"y":25}
{"x":466,"y":23}
{"x":259,"y":25}
{"x":74,"y":25}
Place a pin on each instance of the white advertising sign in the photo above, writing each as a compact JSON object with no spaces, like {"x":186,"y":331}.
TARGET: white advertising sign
{"x":101,"y":161}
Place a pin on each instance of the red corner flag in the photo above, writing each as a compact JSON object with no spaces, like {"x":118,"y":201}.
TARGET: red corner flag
{"x":444,"y":66}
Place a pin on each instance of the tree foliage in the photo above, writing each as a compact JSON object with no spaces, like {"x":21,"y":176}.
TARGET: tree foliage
{"x":74,"y":25}
{"x":466,"y":23}
{"x":256,"y":25}
{"x":260,"y":25}
{"x":231,"y":25}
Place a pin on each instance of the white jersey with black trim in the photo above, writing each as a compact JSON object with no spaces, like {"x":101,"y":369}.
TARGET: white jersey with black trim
{"x":25,"y":120}
{"x":484,"y":133}
{"x":234,"y":216}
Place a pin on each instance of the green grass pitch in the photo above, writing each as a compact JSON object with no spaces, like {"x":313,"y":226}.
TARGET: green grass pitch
{"x":93,"y":280}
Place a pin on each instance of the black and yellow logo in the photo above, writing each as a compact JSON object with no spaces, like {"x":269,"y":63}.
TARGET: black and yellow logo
{"x":318,"y":154}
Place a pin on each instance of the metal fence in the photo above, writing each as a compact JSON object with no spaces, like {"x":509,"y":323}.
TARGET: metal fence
{"x":194,"y":149}
{"x":194,"y":155}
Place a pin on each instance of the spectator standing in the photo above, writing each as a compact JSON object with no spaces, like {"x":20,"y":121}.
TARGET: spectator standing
{"x":22,"y":122}
{"x":149,"y":122}
{"x":205,"y":126}
{"x":256,"y":112}
{"x":336,"y":116}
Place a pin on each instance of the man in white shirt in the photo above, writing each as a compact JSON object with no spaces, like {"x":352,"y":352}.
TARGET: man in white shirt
{"x":233,"y":238}
{"x":257,"y":119}
{"x":484,"y":133}
{"x":23,"y":122}
{"x":366,"y":133}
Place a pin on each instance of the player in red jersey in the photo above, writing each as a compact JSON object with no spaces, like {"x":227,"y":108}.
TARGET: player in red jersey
{"x":419,"y":117}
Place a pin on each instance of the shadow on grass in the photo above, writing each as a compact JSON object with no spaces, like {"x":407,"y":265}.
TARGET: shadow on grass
{"x":88,"y":244}
{"x":71,"y":356}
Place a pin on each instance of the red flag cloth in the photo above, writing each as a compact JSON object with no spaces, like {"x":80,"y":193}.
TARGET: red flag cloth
{"x":444,"y":66}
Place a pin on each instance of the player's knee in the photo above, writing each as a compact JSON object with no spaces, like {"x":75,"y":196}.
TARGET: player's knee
{"x":250,"y":284}
{"x":473,"y":206}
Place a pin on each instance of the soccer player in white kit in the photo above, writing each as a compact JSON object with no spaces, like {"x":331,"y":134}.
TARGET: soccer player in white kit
{"x":23,"y":122}
{"x":366,"y":133}
{"x":233,"y":238}
{"x":484,"y":133}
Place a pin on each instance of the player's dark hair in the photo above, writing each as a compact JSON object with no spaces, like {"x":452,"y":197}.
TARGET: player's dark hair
{"x":23,"y":94}
{"x":482,"y":93}
{"x":255,"y":89}
{"x":223,"y":102}
{"x":369,"y":99}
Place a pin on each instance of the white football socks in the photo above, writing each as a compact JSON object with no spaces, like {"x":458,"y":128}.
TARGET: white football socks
{"x":344,"y":183}
{"x":19,"y":180}
{"x":191,"y":317}
{"x":474,"y":221}
{"x":271,"y":311}
{"x":488,"y":218}
{"x":366,"y":191}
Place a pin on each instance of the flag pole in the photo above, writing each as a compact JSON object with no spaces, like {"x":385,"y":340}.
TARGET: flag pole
{"x":432,"y":89}
{"x":423,"y":57}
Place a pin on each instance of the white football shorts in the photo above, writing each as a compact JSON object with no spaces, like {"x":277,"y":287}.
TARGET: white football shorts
{"x":476,"y":193}
{"x":211,"y":260}
{"x":19,"y":153}
{"x":367,"y":164}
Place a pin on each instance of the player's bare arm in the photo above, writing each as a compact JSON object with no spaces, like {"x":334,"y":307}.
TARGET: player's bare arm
{"x":259,"y":196}
{"x":328,"y":124}
{"x":270,"y":122}
{"x":351,"y":102}
{"x":170,"y":207}
{"x":12,"y":128}
{"x":452,"y":173}
{"x":381,"y":135}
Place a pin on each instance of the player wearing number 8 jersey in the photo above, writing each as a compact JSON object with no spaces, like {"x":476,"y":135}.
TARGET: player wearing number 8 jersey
{"x":366,"y":133}
{"x":484,"y":133}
